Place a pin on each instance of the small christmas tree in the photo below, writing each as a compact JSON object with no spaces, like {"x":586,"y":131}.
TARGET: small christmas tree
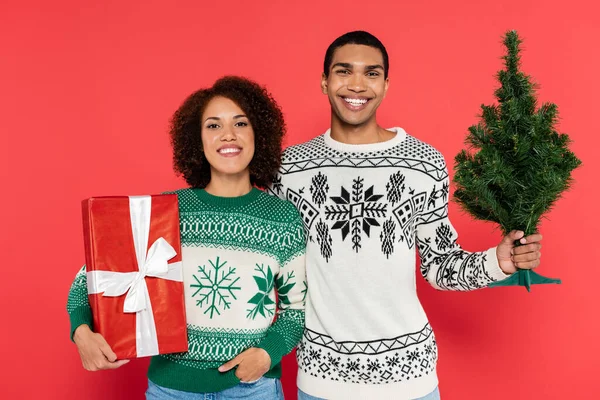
{"x":518,"y":165}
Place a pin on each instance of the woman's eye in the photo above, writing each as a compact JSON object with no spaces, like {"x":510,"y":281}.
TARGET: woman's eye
{"x":212,"y":126}
{"x":241,"y":123}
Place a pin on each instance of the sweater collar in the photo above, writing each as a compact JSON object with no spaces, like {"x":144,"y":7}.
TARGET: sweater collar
{"x":219,"y":201}
{"x":365,"y":148}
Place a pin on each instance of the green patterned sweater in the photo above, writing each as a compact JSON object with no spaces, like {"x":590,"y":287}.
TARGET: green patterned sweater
{"x":243,"y":262}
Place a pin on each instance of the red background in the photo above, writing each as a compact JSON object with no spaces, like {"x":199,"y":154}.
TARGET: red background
{"x":86,"y":91}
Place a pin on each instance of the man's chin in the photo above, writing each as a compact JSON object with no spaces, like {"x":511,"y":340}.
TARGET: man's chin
{"x":354,"y":121}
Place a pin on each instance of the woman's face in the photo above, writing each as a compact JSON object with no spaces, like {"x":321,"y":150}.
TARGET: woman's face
{"x":227,"y":138}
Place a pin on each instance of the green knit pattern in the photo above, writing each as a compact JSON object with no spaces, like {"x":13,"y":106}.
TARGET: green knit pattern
{"x":255,"y":224}
{"x":243,"y":226}
{"x":215,"y":345}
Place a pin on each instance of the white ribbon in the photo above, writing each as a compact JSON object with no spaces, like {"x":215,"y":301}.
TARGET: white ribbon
{"x":153,"y":263}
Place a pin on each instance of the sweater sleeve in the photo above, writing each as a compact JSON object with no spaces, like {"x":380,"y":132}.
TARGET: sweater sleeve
{"x":277,"y":187}
{"x":444,"y":264}
{"x":285,"y":333}
{"x":78,"y":306}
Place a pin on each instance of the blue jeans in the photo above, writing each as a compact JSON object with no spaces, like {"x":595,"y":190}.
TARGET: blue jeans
{"x":435,"y":395}
{"x":262,"y":389}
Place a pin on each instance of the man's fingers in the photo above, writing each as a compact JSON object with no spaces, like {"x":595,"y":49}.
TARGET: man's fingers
{"x":536,"y":237}
{"x":528,"y":264}
{"x":230,"y":364}
{"x":512,"y":236}
{"x":527,"y":248}
{"x":535,"y":255}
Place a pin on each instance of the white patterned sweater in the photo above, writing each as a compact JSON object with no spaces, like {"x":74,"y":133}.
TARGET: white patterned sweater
{"x":366,"y":209}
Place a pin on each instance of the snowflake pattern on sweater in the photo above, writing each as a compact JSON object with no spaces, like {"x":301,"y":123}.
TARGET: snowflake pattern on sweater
{"x":243,"y":264}
{"x":367,"y":209}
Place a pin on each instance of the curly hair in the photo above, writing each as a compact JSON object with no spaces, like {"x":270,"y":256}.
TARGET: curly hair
{"x":264,"y":115}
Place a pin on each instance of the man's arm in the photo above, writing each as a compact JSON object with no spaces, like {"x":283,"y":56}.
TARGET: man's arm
{"x":276,"y":188}
{"x":446,"y":266}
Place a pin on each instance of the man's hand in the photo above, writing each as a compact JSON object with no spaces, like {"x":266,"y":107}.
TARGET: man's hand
{"x":526,"y":256}
{"x":95,"y":353}
{"x":252,"y":364}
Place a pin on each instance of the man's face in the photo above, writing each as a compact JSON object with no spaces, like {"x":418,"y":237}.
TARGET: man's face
{"x":356,"y":84}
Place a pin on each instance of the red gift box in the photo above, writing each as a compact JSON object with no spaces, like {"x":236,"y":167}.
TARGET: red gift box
{"x":134,"y":273}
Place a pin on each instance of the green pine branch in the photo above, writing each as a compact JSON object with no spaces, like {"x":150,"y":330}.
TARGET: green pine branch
{"x":517,"y":164}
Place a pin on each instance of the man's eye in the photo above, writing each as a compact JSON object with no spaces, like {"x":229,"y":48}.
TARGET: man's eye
{"x":343,"y":71}
{"x":373,"y":74}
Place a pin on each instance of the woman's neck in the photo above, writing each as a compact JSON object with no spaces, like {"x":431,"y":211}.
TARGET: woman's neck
{"x":229,"y":185}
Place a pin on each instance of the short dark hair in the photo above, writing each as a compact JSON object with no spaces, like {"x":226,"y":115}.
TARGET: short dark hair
{"x":264,"y":115}
{"x":356,"y":37}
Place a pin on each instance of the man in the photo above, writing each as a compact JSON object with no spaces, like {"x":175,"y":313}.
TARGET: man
{"x":368,"y":198}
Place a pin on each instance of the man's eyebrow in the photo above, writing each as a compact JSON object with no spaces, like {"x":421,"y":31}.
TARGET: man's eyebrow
{"x":349,"y":66}
{"x":343,"y":65}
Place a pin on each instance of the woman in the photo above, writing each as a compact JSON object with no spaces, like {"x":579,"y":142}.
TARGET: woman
{"x":240,"y":247}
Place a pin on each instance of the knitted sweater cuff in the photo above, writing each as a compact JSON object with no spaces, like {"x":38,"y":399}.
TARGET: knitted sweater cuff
{"x":80,"y":316}
{"x":492,"y":267}
{"x":274,"y":344}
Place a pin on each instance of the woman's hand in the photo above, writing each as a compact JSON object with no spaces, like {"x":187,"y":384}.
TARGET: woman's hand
{"x":252,"y":364}
{"x":95,"y":353}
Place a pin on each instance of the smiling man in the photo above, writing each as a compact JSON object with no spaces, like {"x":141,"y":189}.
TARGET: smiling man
{"x":369,"y":197}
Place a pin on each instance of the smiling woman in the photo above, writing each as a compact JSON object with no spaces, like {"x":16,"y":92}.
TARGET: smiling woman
{"x":228,"y":143}
{"x":242,"y":254}
{"x":233,"y":112}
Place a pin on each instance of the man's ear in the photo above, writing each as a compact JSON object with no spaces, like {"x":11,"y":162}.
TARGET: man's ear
{"x":323,"y":83}
{"x":386,"y":87}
